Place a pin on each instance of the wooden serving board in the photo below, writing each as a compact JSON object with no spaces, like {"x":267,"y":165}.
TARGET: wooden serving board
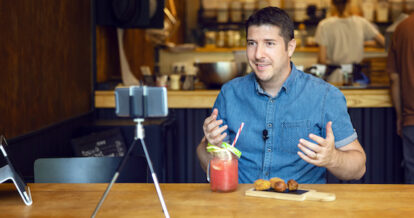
{"x":299,"y":195}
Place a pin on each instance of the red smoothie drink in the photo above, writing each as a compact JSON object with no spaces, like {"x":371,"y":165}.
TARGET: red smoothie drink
{"x":223,"y":174}
{"x":223,"y":171}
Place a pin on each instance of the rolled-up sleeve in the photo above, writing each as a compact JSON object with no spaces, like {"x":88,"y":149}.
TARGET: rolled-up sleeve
{"x":337,"y":112}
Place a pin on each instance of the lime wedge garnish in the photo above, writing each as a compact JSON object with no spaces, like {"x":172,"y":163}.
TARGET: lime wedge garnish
{"x":213,"y":148}
{"x":232,"y":149}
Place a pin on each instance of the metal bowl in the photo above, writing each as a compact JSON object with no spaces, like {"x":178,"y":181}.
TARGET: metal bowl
{"x":215,"y":74}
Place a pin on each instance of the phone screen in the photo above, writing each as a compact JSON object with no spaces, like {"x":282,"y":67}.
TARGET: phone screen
{"x":130,"y":102}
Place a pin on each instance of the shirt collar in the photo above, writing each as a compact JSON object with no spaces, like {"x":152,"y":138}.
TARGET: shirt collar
{"x":290,"y":81}
{"x":287,"y":85}
{"x":257,"y":86}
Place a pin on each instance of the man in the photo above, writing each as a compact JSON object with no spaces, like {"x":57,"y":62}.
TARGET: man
{"x":341,"y":37}
{"x":287,"y":113}
{"x":400,"y":67}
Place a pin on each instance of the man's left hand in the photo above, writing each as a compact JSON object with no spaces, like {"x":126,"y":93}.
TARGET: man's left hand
{"x":323,"y":153}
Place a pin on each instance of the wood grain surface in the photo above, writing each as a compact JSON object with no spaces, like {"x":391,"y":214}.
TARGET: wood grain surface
{"x":45,"y":63}
{"x":196,"y":200}
{"x":356,"y":98}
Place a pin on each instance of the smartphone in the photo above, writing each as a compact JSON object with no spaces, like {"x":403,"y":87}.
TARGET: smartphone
{"x":141,"y":102}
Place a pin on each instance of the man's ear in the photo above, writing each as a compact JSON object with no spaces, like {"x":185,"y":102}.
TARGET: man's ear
{"x":291,"y":47}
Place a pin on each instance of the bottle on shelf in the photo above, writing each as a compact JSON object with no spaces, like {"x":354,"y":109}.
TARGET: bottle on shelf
{"x":189,"y":80}
{"x":210,"y":39}
{"x":175,"y":79}
{"x":382,"y":11}
{"x":221,"y":39}
{"x":302,"y":34}
{"x":223,"y":12}
{"x":236,"y":11}
{"x":242,"y":37}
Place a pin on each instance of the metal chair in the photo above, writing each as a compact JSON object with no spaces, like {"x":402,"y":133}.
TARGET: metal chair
{"x":89,"y":170}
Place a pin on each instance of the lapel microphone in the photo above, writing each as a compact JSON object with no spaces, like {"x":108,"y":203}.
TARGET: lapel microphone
{"x":265,"y":136}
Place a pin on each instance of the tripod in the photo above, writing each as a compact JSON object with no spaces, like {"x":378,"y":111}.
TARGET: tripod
{"x":139,"y":135}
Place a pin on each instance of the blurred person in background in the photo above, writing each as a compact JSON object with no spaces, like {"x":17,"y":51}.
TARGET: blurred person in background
{"x":400,"y":66}
{"x":341,"y":37}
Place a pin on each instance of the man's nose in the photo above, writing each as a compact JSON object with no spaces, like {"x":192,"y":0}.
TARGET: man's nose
{"x":259,"y":52}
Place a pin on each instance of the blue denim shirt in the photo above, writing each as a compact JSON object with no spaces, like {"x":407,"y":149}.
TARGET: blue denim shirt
{"x":303,"y":105}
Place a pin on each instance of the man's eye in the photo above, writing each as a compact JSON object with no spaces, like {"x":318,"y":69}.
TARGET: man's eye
{"x":270,"y":43}
{"x":250,"y":43}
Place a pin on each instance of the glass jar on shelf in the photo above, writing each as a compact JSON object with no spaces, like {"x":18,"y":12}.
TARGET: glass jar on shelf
{"x":302,"y":34}
{"x":210,"y":39}
{"x":230,"y":38}
{"x":223,"y":12}
{"x":382,"y":11}
{"x":221,"y":39}
{"x":242,"y":37}
{"x":236,"y":38}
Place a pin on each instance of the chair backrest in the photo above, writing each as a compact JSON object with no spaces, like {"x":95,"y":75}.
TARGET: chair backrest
{"x":89,"y":170}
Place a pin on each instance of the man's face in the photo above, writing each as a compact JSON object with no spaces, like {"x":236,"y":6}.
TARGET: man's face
{"x":267,"y":53}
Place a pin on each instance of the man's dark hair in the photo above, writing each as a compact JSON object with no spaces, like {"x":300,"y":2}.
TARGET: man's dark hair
{"x":273,"y":16}
{"x":340,"y":5}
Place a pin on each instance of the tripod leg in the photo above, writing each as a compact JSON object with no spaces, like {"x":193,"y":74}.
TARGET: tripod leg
{"x":140,"y":135}
{"x":114,"y":178}
{"x":154,"y":178}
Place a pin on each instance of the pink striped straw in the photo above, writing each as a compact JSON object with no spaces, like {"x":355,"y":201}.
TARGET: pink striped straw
{"x":238,"y":133}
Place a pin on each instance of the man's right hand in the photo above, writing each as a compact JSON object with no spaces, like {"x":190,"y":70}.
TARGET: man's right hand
{"x":212,"y":130}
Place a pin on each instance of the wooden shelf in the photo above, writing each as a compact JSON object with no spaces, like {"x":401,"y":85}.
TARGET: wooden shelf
{"x":356,"y":98}
{"x":298,"y":49}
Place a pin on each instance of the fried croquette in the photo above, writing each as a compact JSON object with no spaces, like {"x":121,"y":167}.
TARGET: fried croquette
{"x":261,"y":185}
{"x":274,"y":180}
{"x":292,"y":185}
{"x":279,"y":186}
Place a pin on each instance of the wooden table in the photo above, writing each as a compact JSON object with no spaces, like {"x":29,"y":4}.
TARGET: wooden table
{"x":196,"y":200}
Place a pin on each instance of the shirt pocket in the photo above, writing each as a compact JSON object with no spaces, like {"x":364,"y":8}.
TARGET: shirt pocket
{"x":292,"y":131}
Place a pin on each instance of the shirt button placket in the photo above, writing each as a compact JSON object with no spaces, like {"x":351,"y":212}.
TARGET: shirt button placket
{"x":269,"y":149}
{"x":268,"y":142}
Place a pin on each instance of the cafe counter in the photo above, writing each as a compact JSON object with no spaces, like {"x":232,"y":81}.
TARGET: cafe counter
{"x":356,"y":98}
{"x":196,"y":200}
{"x":370,"y":110}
